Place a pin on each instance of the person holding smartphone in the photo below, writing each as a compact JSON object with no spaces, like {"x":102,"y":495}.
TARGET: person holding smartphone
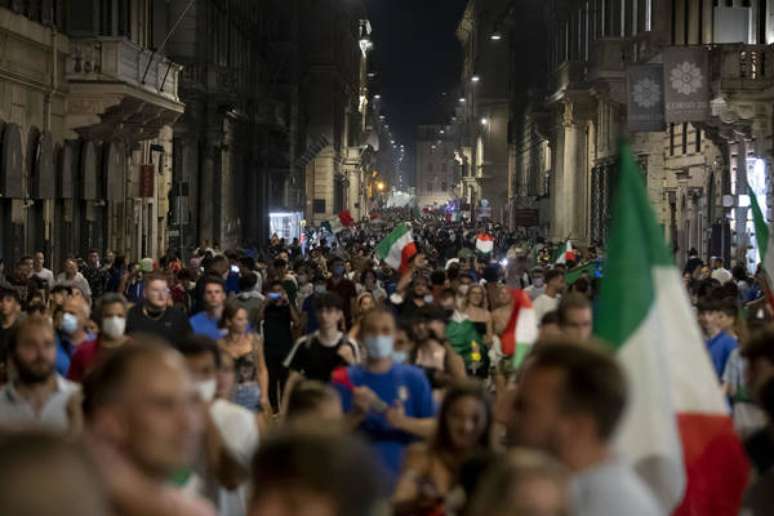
{"x":280,"y":319}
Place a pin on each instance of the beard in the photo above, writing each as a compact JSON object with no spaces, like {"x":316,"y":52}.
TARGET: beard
{"x":36,"y":372}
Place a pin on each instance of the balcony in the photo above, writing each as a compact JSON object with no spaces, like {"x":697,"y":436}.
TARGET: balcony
{"x":211,"y":79}
{"x":743,"y":69}
{"x":607,"y":59}
{"x":120,"y":89}
{"x":568,"y":76}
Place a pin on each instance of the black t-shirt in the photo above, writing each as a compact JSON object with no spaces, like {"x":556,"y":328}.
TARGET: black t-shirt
{"x":172,"y":325}
{"x":277,"y":330}
{"x":315,"y":360}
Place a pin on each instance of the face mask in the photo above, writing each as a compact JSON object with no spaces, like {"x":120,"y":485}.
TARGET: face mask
{"x":538,"y":282}
{"x":400,"y":357}
{"x":206,"y":389}
{"x":114,"y":327}
{"x":69,"y":323}
{"x":320,"y":289}
{"x":380,"y":346}
{"x":464,"y":289}
{"x":428,"y":298}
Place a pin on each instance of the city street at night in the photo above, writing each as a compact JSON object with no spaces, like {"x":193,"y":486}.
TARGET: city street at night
{"x":386,"y":258}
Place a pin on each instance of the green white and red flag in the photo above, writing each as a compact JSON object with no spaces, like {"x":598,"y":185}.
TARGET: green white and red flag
{"x":676,"y":431}
{"x":485,"y":243}
{"x":763,"y":237}
{"x":565,"y":255}
{"x":521,"y":333}
{"x":397,"y":248}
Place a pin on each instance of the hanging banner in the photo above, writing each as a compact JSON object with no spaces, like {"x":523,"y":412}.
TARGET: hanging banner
{"x":645,"y":98}
{"x":686,"y":82}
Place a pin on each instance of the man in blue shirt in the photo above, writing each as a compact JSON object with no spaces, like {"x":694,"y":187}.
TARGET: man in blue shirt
{"x":208,"y":322}
{"x":390,"y":403}
{"x":718,"y":318}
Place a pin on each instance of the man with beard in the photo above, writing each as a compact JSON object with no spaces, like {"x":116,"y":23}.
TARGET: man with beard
{"x":38,"y":395}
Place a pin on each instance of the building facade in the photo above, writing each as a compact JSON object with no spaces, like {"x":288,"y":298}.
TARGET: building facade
{"x":87,"y":112}
{"x":565,"y":137}
{"x":437,"y":173}
{"x":484,"y":112}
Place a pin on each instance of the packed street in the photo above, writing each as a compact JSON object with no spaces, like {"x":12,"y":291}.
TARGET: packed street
{"x":371,"y":258}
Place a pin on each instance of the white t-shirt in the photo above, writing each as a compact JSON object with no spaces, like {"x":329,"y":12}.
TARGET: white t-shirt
{"x":45,"y":275}
{"x":722,"y":275}
{"x":612,"y":489}
{"x":544,"y":304}
{"x":239,"y":433}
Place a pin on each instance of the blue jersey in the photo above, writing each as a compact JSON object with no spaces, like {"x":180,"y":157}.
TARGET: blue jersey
{"x":720,"y":347}
{"x":403,"y":382}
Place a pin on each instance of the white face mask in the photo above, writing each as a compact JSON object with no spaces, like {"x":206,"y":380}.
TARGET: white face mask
{"x":464,"y":289}
{"x":206,"y":389}
{"x":114,"y":326}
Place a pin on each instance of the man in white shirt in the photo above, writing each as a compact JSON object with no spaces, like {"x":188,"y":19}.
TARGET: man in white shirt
{"x":221,"y":475}
{"x":719,"y":272}
{"x":40,"y":271}
{"x":38,"y":396}
{"x":570,"y":400}
{"x":72,"y":278}
{"x":548,"y":301}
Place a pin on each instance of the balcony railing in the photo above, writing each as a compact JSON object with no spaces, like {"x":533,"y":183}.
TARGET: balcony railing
{"x":108,"y":59}
{"x":743,"y":67}
{"x":214,"y":78}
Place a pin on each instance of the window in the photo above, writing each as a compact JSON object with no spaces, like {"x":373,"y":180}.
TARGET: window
{"x":698,"y":140}
{"x":685,"y":137}
{"x":671,"y":139}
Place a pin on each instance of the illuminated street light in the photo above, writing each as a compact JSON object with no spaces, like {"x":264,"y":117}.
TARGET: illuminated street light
{"x":475,"y":78}
{"x":496,"y":36}
{"x":381,"y":117}
{"x":484,"y":121}
{"x":377,"y":96}
{"x":380,"y":186}
{"x":462,"y":100}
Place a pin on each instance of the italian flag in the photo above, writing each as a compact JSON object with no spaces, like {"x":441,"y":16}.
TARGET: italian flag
{"x":567,"y":255}
{"x":522,"y":329}
{"x":485,"y":243}
{"x":676,"y":430}
{"x":397,"y":249}
{"x":763,"y":237}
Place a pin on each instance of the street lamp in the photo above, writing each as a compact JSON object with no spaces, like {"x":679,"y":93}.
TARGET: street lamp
{"x":462,"y":100}
{"x":484,"y":121}
{"x":496,"y":36}
{"x":475,"y":78}
{"x":377,"y":96}
{"x":380,"y":186}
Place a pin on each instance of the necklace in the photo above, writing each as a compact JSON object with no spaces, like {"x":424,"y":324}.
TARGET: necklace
{"x":149,"y":316}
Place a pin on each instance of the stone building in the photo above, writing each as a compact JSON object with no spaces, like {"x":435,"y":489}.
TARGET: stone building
{"x":565,"y":138}
{"x":485,"y":103}
{"x":437,"y":173}
{"x":334,"y":101}
{"x":87,"y":109}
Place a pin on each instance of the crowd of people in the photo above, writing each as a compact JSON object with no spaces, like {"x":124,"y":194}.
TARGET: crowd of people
{"x":310,"y":378}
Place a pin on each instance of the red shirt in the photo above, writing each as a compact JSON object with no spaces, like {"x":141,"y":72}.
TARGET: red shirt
{"x":87,"y":356}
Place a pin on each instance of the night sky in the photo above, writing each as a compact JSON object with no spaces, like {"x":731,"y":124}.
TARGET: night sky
{"x":417,"y":58}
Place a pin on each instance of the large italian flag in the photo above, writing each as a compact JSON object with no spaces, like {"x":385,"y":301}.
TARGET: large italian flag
{"x":676,"y":430}
{"x":397,"y":249}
